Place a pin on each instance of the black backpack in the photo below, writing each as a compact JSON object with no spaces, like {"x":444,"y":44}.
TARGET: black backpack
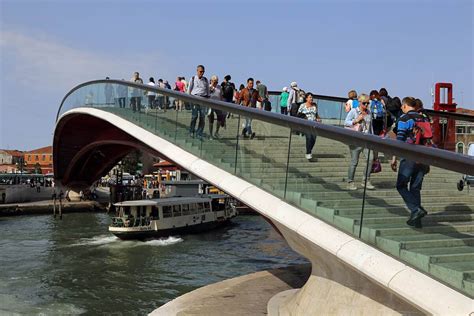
{"x":300,"y":96}
{"x":228,"y":90}
{"x":267,"y":105}
{"x":393,"y":104}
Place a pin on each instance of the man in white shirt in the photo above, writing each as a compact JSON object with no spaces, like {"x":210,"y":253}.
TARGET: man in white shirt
{"x":198,"y":86}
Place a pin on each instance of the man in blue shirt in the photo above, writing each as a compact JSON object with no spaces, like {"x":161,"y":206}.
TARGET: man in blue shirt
{"x":410,"y":172}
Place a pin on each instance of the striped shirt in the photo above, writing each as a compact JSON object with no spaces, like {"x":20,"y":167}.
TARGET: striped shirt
{"x":311,"y":112}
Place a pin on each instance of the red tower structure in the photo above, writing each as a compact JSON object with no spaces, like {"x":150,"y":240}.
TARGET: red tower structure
{"x":444,"y":130}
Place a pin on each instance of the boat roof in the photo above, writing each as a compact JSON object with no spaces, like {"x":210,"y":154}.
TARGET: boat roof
{"x":165,"y":201}
{"x":184,"y":182}
{"x":217,"y":196}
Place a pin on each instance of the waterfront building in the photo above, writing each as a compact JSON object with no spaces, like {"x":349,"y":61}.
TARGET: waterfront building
{"x":9,"y":160}
{"x":40,"y":157}
{"x":10,"y":157}
{"x":170,"y":171}
{"x":464,"y":132}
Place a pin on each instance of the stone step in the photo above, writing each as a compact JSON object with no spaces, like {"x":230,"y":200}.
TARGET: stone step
{"x":452,"y":265}
{"x":393,"y":244}
{"x":265,"y":171}
{"x":371,"y":219}
{"x":396,"y":200}
{"x":314,"y":187}
{"x":431,"y":208}
{"x":455,"y":273}
{"x":398,"y":229}
{"x":425,"y":193}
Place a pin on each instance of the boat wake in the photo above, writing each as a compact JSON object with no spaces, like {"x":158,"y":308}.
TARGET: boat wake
{"x":96,"y":241}
{"x":163,"y":241}
{"x":107,"y":240}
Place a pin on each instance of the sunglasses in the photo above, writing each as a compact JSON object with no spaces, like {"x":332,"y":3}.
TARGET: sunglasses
{"x":365,"y":103}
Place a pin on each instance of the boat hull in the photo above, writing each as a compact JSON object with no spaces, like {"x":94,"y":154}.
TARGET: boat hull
{"x":152,"y":234}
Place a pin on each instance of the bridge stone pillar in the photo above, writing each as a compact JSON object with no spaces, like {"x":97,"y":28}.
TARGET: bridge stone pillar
{"x":334,"y":288}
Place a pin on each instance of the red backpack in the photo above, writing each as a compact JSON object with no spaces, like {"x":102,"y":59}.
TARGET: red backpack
{"x":423,"y":131}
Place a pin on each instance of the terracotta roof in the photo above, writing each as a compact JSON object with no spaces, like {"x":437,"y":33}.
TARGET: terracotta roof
{"x":42,"y":150}
{"x":164,"y":163}
{"x":14,"y":153}
{"x":465,"y":111}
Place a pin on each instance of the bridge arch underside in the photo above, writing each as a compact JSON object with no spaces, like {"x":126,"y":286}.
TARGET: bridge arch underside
{"x":87,"y":147}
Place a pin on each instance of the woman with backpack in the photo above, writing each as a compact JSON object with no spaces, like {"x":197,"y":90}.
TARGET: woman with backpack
{"x":179,"y":86}
{"x":216,"y":94}
{"x":379,"y":114}
{"x":352,"y":103}
{"x":309,"y":111}
{"x":295,"y":98}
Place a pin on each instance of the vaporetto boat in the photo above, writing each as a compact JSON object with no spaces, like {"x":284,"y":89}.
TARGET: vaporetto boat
{"x":143,"y":219}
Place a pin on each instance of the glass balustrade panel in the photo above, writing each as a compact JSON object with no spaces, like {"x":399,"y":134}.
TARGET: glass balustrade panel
{"x":318,"y":180}
{"x":262,"y":154}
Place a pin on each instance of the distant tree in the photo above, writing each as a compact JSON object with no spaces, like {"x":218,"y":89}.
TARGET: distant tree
{"x":131,"y":161}
{"x":37,"y":169}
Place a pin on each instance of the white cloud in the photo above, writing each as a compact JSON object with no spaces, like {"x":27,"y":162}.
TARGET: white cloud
{"x":41,"y":62}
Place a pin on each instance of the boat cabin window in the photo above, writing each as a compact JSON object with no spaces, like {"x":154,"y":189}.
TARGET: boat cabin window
{"x":215,"y":205}
{"x":167,"y":211}
{"x":176,"y":210}
{"x":124,"y":211}
{"x":141,"y":211}
{"x":207,"y":207}
{"x":200,"y":207}
{"x":185,"y":209}
{"x":219,"y":204}
{"x":154,"y":212}
{"x":193,"y":208}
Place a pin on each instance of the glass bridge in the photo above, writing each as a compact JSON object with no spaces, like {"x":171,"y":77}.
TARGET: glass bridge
{"x":275,"y":161}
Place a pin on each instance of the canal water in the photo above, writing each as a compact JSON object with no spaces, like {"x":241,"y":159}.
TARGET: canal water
{"x":74,"y":266}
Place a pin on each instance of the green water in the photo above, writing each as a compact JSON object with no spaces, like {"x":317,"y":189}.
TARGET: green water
{"x":74,"y":266}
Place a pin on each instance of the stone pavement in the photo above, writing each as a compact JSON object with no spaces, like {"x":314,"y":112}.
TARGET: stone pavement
{"x":46,"y":207}
{"x":245,"y":295}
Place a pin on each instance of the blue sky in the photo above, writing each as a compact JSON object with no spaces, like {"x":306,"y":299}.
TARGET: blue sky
{"x":328,"y":47}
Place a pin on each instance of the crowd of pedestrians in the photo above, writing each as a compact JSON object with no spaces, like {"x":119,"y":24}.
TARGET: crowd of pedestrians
{"x":376,"y":113}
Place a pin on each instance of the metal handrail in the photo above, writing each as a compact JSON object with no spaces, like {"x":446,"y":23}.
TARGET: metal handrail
{"x":316,"y":96}
{"x":449,"y":115}
{"x":432,"y":156}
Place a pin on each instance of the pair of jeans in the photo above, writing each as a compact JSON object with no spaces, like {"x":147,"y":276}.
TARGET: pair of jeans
{"x":284,"y":110}
{"x":411,"y":173}
{"x":151,"y":101}
{"x":248,"y":126}
{"x":136,"y":103}
{"x":198,"y":110}
{"x":310,"y":141}
{"x":121,"y":102}
{"x":355,"y":153}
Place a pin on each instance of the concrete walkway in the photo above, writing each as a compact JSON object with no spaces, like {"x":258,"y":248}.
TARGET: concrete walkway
{"x":245,"y":295}
{"x":46,"y":207}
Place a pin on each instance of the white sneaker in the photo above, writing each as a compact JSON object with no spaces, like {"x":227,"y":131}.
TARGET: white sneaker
{"x":351,"y":186}
{"x":369,"y":186}
{"x":309,"y":156}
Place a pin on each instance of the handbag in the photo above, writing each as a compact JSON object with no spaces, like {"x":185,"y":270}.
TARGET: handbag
{"x":376,"y":166}
{"x":355,"y":127}
{"x":301,"y":115}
